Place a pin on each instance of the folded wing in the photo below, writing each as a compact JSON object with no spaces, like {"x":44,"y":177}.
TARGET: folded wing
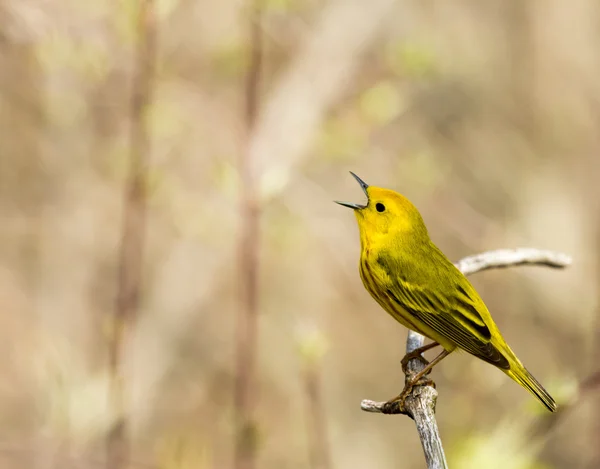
{"x":454,"y":315}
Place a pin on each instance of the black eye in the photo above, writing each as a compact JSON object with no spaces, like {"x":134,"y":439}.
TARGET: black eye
{"x":380,"y":207}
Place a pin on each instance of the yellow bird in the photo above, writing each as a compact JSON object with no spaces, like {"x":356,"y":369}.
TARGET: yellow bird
{"x":419,"y":287}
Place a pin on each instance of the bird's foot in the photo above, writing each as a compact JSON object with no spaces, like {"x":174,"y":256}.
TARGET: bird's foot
{"x":397,"y":404}
{"x":412,"y":356}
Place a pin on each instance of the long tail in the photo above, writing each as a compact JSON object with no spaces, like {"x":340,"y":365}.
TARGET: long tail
{"x":520,"y":374}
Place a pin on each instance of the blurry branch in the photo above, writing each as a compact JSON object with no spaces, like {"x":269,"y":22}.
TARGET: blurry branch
{"x":316,"y":78}
{"x":320,"y":457}
{"x":132,"y":232}
{"x":298,"y":101}
{"x":585,"y":389}
{"x":312,"y":347}
{"x":420,"y":404}
{"x":247,"y":322}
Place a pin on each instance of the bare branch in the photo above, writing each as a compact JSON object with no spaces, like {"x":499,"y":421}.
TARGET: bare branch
{"x":420,"y":403}
{"x":512,"y":257}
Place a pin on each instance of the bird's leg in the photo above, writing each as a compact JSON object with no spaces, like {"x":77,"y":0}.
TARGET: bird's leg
{"x":398,"y":402}
{"x":416,"y":353}
{"x":415,"y":379}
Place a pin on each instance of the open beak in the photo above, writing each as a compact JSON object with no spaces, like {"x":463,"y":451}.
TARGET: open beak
{"x":364,"y":186}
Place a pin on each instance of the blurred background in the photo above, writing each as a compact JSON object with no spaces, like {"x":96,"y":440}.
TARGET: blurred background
{"x":178,"y":289}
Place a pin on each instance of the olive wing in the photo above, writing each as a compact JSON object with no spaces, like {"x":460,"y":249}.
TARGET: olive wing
{"x":454,"y":315}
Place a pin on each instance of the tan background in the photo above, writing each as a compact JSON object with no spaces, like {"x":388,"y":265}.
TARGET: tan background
{"x":486,"y":114}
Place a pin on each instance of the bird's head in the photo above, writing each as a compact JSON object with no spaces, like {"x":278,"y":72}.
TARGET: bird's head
{"x":386,"y":215}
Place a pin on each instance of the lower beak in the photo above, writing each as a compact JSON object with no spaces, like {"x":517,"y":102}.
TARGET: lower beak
{"x":349,"y":205}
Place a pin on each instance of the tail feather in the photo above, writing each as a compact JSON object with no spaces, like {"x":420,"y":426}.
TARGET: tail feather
{"x":520,"y":374}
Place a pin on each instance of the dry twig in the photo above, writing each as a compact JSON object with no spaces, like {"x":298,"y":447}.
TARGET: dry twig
{"x":420,"y":403}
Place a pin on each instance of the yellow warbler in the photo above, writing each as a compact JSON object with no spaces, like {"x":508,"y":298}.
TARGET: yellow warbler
{"x":419,"y":287}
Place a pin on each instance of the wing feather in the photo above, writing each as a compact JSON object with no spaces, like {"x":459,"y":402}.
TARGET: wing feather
{"x":455,"y":316}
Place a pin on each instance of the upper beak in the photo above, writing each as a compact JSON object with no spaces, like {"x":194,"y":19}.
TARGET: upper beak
{"x":364,"y":186}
